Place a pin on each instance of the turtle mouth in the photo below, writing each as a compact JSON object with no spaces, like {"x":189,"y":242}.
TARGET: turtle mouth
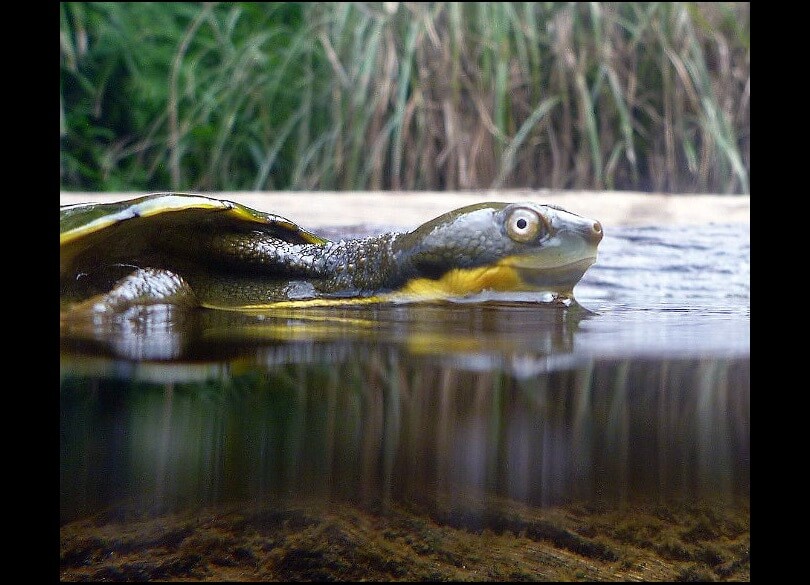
{"x":553,"y":270}
{"x":555,"y":277}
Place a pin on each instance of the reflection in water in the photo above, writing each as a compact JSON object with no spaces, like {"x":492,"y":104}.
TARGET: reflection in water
{"x":165,"y":332}
{"x":381,"y":428}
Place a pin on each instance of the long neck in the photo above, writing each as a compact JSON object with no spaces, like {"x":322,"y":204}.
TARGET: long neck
{"x":352,"y":265}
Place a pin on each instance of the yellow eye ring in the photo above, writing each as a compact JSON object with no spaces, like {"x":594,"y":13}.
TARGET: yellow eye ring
{"x":523,"y":225}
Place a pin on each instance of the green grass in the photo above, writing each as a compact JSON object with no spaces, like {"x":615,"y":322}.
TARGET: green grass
{"x":356,"y":96}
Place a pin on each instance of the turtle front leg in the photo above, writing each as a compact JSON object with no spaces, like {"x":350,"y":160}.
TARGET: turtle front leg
{"x":143,"y":286}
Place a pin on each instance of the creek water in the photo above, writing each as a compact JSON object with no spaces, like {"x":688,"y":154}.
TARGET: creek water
{"x":638,"y":392}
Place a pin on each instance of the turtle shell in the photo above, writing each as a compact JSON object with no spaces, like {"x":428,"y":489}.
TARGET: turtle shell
{"x":82,"y":220}
{"x":113,"y":238}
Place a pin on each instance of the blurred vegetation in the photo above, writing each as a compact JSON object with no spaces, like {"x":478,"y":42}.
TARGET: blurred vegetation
{"x":437,"y":95}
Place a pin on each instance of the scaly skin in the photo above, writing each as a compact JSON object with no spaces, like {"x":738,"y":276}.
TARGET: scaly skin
{"x":273,"y":270}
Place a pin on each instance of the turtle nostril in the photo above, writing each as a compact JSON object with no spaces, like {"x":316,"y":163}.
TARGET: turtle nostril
{"x":597,"y":230}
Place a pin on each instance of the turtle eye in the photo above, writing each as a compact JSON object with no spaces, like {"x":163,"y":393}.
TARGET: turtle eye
{"x":523,"y":225}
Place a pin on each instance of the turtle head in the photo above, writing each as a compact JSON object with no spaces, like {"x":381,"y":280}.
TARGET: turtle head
{"x":500,"y":246}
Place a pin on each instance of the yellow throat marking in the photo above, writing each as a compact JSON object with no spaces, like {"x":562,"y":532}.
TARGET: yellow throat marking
{"x":464,"y":281}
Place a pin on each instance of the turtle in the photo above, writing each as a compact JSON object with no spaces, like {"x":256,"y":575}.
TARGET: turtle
{"x":202,"y":251}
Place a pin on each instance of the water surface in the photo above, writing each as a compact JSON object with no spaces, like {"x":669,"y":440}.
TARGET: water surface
{"x":465,"y":411}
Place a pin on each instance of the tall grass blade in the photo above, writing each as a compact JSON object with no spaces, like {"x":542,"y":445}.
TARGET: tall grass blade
{"x":509,"y":154}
